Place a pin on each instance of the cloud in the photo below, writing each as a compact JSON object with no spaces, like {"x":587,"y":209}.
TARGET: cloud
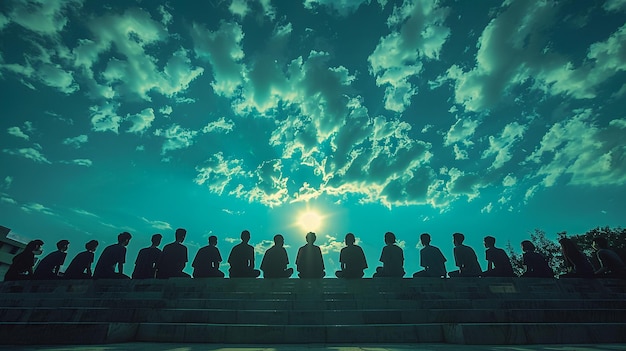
{"x":160,"y":225}
{"x":461,"y":132}
{"x":501,"y":147}
{"x":220,"y":126}
{"x":596,"y":160}
{"x":141,"y":121}
{"x":104,"y":118}
{"x":331,"y":245}
{"x":514,"y":50}
{"x":223,"y":50}
{"x":28,"y":153}
{"x":7,"y":199}
{"x":79,"y":162}
{"x":218,"y":172}
{"x":36,"y":207}
{"x":342,"y":7}
{"x":17,"y":132}
{"x":271,"y":186}
{"x":47,"y":17}
{"x":176,"y":137}
{"x":418,"y":36}
{"x":614,"y":5}
{"x":239,"y":8}
{"x":8,"y":180}
{"x":76,"y":141}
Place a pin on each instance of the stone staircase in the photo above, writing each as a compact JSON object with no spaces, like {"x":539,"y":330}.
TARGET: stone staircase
{"x":297,"y":311}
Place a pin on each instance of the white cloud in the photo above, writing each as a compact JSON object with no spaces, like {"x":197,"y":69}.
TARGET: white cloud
{"x":331,"y":245}
{"x":487,"y":209}
{"x":166,"y":110}
{"x":28,"y":153}
{"x":239,"y":8}
{"x":36,"y":207}
{"x":597,"y":159}
{"x":501,"y":147}
{"x":218,"y":172}
{"x":8,"y":180}
{"x":223,"y":50}
{"x":271,"y":186}
{"x":76,"y":141}
{"x":17,"y":132}
{"x":342,"y":7}
{"x":42,"y":16}
{"x":104,"y":118}
{"x":397,"y":59}
{"x":221,"y":126}
{"x":141,"y":121}
{"x":509,"y":180}
{"x":461,"y":132}
{"x":160,"y":225}
{"x":176,"y":137}
{"x":165,"y":14}
{"x":614,"y":5}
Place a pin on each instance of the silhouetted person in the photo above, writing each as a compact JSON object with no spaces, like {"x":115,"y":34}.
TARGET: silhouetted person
{"x":431,"y":259}
{"x":206,"y":264}
{"x":80,"y":267}
{"x":577,"y":264}
{"x":309,"y":259}
{"x":352,"y":259}
{"x":392,"y":258}
{"x":275,"y":260}
{"x":611,"y":265}
{"x":241,"y":259}
{"x":464,"y":258}
{"x":147,"y":259}
{"x":49,"y":266}
{"x":536,"y":265}
{"x":21,"y":267}
{"x":174,"y":258}
{"x":498,"y":262}
{"x":113,"y":256}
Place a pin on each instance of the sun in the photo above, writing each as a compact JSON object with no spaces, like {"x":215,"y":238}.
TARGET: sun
{"x":310,"y":220}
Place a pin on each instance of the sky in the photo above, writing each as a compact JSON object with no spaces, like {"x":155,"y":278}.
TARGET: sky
{"x":333,"y":116}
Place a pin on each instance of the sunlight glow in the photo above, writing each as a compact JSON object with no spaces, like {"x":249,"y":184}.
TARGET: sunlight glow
{"x":310,"y":221}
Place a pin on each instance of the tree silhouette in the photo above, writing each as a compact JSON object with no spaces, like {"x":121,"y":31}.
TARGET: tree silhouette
{"x":550,"y":249}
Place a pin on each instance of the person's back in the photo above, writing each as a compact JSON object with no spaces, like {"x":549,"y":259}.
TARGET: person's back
{"x":80,"y":266}
{"x":275,"y":260}
{"x":48,"y":267}
{"x":433,"y":261}
{"x":536,"y":266}
{"x":147,"y":259}
{"x":613,"y":264}
{"x":309,"y":259}
{"x":353,"y":258}
{"x":111,"y":256}
{"x":21,"y":267}
{"x":241,"y":259}
{"x":467,"y":261}
{"x":392,"y":258}
{"x":207,"y":261}
{"x":501,"y":262}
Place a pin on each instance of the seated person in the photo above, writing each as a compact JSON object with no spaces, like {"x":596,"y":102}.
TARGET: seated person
{"x":611,"y":265}
{"x":352,"y":259}
{"x":80,"y":267}
{"x":147,"y":259}
{"x":275,"y":260}
{"x":392,"y":258}
{"x":112,"y":256}
{"x":536,"y":265}
{"x":49,"y":267}
{"x":21,"y":267}
{"x":173,"y":258}
{"x":309,"y":260}
{"x":241,"y":259}
{"x":206,"y":264}
{"x":465,"y":258}
{"x":498,"y":262}
{"x":431,"y":259}
{"x":577,"y":264}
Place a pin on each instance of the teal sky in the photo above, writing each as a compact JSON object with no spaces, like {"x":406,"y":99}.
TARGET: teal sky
{"x":482,"y":117}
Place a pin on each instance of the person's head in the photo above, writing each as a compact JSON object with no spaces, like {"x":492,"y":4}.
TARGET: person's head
{"x":213,"y":240}
{"x":279,"y":240}
{"x":599,"y":242}
{"x":62,"y":245}
{"x":91,"y":245}
{"x":489,"y":241}
{"x":350,"y":239}
{"x":310,"y":237}
{"x":390,"y":238}
{"x":180,"y":234}
{"x":458,"y":238}
{"x":245,"y":236}
{"x":124,"y":238}
{"x":528,"y":246}
{"x":156,"y":239}
{"x":425,"y":239}
{"x":33,"y":246}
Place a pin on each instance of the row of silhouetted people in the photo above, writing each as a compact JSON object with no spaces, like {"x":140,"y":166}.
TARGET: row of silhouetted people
{"x":152,"y":262}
